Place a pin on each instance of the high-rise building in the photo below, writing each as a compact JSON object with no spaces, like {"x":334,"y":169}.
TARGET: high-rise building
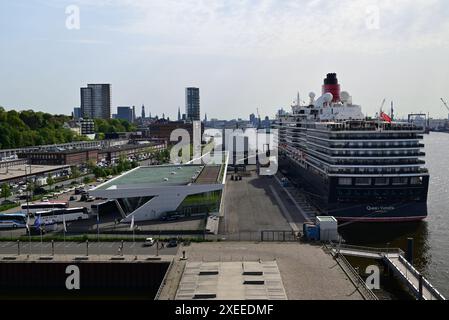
{"x":134,"y":114}
{"x":179,"y":114}
{"x":87,"y":126}
{"x":193,"y":104}
{"x":143,"y":112}
{"x":125,"y":113}
{"x":96,"y":101}
{"x":76,"y":113}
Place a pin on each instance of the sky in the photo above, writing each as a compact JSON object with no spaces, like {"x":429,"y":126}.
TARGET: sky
{"x":244,"y":55}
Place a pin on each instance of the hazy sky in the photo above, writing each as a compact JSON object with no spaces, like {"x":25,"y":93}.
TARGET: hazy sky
{"x":243,"y":54}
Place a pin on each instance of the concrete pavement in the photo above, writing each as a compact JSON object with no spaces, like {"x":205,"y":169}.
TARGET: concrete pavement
{"x":80,"y":248}
{"x":259,"y":203}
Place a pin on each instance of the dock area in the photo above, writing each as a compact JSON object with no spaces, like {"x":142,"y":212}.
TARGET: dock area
{"x":255,"y":204}
{"x":307,"y":272}
{"x":395,"y":260}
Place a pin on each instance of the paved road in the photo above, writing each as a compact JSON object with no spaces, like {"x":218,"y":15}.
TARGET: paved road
{"x":80,"y":248}
{"x":255,"y":204}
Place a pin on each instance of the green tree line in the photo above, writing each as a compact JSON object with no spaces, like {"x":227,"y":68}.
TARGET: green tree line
{"x":29,"y":128}
{"x":113,"y":125}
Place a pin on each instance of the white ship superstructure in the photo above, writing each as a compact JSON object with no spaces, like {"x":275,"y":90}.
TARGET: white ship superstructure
{"x":354,"y":167}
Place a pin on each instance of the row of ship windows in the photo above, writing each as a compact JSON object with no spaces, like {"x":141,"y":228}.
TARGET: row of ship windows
{"x":378,"y":170}
{"x":397,"y":181}
{"x":371,"y":162}
{"x":384,"y":170}
{"x":354,"y":136}
{"x":381,"y":162}
{"x":369,"y":144}
{"x":369,"y":153}
{"x":399,"y":195}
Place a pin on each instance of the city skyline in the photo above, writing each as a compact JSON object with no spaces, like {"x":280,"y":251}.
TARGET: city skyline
{"x":264,"y":53}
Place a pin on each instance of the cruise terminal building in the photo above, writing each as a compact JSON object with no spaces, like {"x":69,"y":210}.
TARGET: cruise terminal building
{"x":150,"y":193}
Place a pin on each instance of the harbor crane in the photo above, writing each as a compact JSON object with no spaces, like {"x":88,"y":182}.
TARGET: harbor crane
{"x":445,"y":104}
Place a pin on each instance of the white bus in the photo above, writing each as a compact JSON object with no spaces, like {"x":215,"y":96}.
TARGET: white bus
{"x":43,"y":206}
{"x":12,"y":220}
{"x":59,"y":215}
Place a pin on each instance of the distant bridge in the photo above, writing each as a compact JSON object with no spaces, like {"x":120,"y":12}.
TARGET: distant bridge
{"x":395,"y":260}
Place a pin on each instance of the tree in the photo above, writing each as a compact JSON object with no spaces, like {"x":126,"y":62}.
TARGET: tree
{"x":91,"y":165}
{"x":75,"y":172}
{"x":31,"y":186}
{"x":50,"y":181}
{"x":6,"y":191}
{"x":86,"y":180}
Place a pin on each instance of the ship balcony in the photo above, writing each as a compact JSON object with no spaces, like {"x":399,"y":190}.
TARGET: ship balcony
{"x":377,"y":137}
{"x":371,"y":146}
{"x":377,"y":171}
{"x":383,"y":162}
{"x":365,"y":145}
{"x":372,"y":125}
{"x":374,"y":155}
{"x":367,"y":157}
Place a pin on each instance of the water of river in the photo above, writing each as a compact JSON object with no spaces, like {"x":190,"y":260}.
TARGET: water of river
{"x":431,"y":254}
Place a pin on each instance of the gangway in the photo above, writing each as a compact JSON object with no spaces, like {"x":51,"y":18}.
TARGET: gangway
{"x":395,"y":260}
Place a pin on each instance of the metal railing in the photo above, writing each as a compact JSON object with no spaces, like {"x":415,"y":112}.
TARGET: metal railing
{"x":380,"y":251}
{"x":164,"y":280}
{"x":426,"y":284}
{"x":384,"y":252}
{"x":353,"y":275}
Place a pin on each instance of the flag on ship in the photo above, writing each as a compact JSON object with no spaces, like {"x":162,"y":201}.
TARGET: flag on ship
{"x":385,"y":117}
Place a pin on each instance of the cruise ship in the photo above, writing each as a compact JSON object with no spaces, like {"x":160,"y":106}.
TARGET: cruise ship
{"x":350,"y":166}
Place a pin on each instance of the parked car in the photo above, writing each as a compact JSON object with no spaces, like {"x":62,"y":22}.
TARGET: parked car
{"x":7,"y":202}
{"x":172,"y":243}
{"x":149,"y":242}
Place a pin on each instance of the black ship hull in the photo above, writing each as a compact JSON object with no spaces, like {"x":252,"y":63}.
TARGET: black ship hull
{"x":355,"y":203}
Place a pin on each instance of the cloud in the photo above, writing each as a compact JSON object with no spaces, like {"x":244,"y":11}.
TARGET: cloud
{"x":282,"y":27}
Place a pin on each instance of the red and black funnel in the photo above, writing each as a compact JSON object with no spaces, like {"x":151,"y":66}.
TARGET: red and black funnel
{"x":331,"y":85}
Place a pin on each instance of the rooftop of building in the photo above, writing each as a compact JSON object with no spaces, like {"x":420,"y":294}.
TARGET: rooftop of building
{"x":21,"y":171}
{"x":168,"y":175}
{"x":155,"y":175}
{"x":59,"y":150}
